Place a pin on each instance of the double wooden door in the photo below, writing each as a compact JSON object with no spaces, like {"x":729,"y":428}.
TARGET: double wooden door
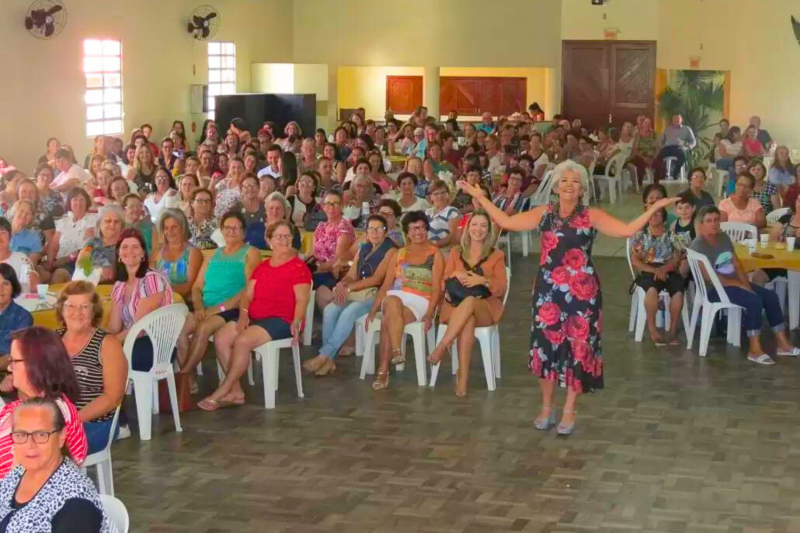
{"x":607,"y":83}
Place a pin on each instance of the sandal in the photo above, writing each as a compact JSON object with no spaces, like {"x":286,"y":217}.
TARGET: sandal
{"x":436,"y":361}
{"x":399,"y":357}
{"x":794,"y":352}
{"x":762,"y":359}
{"x":328,"y":367}
{"x":212,"y":405}
{"x":379,"y":384}
{"x":346,"y":351}
{"x":312,"y":365}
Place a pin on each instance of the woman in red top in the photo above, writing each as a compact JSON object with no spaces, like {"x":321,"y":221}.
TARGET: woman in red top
{"x":41,"y":368}
{"x":272,"y":308}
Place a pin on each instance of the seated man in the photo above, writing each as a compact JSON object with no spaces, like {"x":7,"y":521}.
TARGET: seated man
{"x":718,"y":248}
{"x":675,"y":140}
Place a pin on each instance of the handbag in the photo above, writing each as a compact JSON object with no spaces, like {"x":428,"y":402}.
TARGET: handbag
{"x":184,"y":393}
{"x":455,"y":292}
{"x":363,"y":295}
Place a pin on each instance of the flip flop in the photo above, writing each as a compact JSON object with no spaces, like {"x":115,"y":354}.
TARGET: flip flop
{"x":794,"y":352}
{"x":210,"y":405}
{"x":675,"y":342}
{"x":762,"y":359}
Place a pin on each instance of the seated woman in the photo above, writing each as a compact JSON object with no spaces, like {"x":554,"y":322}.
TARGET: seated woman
{"x":511,"y":200}
{"x":100,"y":365}
{"x":50,"y":202}
{"x":72,"y":231}
{"x":443,"y":217}
{"x":217,"y":291}
{"x":102,"y":250}
{"x":177,"y":260}
{"x":410,"y":292}
{"x":362,"y":191}
{"x":14,"y":316}
{"x":765,"y":192}
{"x":24,"y":238}
{"x":695,"y":192}
{"x":332,"y":241}
{"x":378,"y":172}
{"x":751,"y":146}
{"x":40,"y":368}
{"x":252,"y":207}
{"x":718,"y":248}
{"x":479,"y":268}
{"x":654,"y":256}
{"x":138,"y":291}
{"x":16,"y":260}
{"x":136,"y":216}
{"x":434,"y":162}
{"x":304,"y":202}
{"x":782,"y":171}
{"x":353,"y":295}
{"x":463,"y":201}
{"x":188,"y":183}
{"x":276,"y":209}
{"x":408,"y":199}
{"x":202,"y":221}
{"x":164,"y":195}
{"x":41,"y":222}
{"x":390,"y":210}
{"x":118,"y":190}
{"x":741,"y":206}
{"x":272,"y":308}
{"x":46,"y":488}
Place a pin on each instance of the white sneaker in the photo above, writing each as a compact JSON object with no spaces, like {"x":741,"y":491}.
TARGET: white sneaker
{"x":124,"y":432}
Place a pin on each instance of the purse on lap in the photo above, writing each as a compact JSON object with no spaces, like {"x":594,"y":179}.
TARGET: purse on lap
{"x":455,"y":292}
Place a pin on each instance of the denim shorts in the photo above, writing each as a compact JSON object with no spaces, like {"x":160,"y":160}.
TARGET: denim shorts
{"x":277,"y":328}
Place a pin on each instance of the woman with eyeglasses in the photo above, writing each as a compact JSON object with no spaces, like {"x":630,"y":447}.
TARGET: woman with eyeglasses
{"x":410,"y":292}
{"x":391,"y":211}
{"x":332,"y":241}
{"x":443,"y":217}
{"x":101,"y":249}
{"x":353,"y":295}
{"x":741,"y":206}
{"x":40,"y":368}
{"x":46,"y":488}
{"x":100,"y":365}
{"x":273,"y":306}
{"x":202,"y":221}
{"x":72,"y":231}
{"x":164,"y":196}
{"x":177,"y":259}
{"x":50,"y":201}
{"x":217,"y":291}
{"x":137,"y":217}
{"x":304,"y":202}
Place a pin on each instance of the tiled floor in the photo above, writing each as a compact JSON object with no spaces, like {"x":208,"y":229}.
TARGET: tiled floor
{"x":675,"y":443}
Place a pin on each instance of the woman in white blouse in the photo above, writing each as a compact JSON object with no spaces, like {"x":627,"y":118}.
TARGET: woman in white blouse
{"x":72,"y":231}
{"x":164,"y":196}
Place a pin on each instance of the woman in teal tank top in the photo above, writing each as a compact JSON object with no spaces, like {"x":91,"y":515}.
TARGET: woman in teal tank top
{"x":216,"y":291}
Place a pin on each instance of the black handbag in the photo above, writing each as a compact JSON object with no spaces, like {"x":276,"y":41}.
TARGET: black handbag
{"x":455,"y":292}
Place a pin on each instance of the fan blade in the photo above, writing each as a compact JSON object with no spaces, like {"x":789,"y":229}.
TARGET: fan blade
{"x":796,"y":27}
{"x":49,"y":29}
{"x":38,"y":17}
{"x":206,"y":32}
{"x":211,"y":16}
{"x":198,"y":21}
{"x":53,"y":10}
{"x":28,"y":23}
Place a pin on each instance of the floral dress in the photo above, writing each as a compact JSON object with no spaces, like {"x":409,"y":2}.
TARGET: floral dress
{"x":567,"y":304}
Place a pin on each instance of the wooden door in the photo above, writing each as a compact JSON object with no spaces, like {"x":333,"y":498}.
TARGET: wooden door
{"x":473,"y":96}
{"x":606,"y":83}
{"x":403,"y":94}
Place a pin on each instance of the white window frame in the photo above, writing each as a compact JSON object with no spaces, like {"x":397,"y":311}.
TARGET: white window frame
{"x":103,"y":98}
{"x":221,"y":71}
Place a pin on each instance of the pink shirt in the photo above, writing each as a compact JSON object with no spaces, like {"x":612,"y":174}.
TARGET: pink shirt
{"x":748,"y":215}
{"x":326,"y":235}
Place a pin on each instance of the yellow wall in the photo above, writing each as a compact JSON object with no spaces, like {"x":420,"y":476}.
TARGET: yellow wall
{"x":366,"y":87}
{"x":536,"y":79}
{"x":636,"y":20}
{"x":41,"y":93}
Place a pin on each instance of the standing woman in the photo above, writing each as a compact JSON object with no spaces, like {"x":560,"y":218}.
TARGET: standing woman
{"x":567,"y":302}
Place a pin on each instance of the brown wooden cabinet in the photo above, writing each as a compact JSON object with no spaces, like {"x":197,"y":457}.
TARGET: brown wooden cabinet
{"x":476,"y":95}
{"x":403,"y":94}
{"x":606,"y":83}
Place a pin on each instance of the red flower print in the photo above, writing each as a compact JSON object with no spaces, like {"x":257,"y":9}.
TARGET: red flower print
{"x":575,"y":259}
{"x":577,"y":328}
{"x":583,"y":286}
{"x":581,"y":352}
{"x":560,"y":276}
{"x":548,"y":314}
{"x":549,"y":242}
{"x":581,"y":221}
{"x":536,"y":362}
{"x":556,"y":336}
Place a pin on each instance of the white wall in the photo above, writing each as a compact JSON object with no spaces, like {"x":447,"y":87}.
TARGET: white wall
{"x":41,"y":93}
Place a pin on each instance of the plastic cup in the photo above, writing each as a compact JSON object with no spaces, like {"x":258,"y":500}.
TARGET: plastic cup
{"x":790,"y":243}
{"x":764,"y":240}
{"x":41,"y":290}
{"x":751,"y":245}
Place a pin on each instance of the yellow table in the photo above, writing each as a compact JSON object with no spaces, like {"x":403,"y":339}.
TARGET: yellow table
{"x":781,"y":258}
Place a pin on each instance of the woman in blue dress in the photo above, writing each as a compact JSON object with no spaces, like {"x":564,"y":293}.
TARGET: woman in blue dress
{"x":567,"y":301}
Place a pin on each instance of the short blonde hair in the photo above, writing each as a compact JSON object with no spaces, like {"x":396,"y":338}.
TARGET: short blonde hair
{"x":571,"y":165}
{"x":75,"y":288}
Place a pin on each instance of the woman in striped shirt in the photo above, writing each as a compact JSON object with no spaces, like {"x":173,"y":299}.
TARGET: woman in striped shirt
{"x":41,"y":368}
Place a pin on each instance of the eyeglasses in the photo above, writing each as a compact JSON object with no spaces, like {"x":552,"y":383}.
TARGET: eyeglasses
{"x":386,"y":214}
{"x":332,"y":204}
{"x":18,"y":361}
{"x":376,"y":230}
{"x":231,"y":229}
{"x":202,"y":201}
{"x":412,"y":229}
{"x":78,"y":307}
{"x":39,"y":437}
{"x":282,"y":236}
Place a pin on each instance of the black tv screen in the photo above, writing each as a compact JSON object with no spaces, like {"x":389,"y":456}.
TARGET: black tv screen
{"x":256,"y":109}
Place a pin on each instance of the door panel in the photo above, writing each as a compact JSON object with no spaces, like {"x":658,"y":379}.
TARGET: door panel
{"x":403,"y":93}
{"x":476,"y":95}
{"x":632,"y":82}
{"x":585,"y":85}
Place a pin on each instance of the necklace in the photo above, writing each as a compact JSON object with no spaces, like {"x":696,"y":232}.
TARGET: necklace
{"x":557,"y":221}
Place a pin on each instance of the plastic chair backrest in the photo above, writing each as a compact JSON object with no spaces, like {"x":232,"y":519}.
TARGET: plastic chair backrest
{"x":617,"y":163}
{"x":695,"y":260}
{"x":739,"y":231}
{"x":116,"y":512}
{"x":628,"y":255}
{"x":508,"y":285}
{"x":542,"y":194}
{"x":773,"y":217}
{"x":163,"y":326}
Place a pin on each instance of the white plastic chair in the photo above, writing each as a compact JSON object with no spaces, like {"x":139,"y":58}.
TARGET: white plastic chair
{"x":638,"y":313}
{"x":418,"y":336}
{"x":163,"y":326}
{"x":773,"y":217}
{"x":613,"y":176}
{"x":672,"y":160}
{"x":489,"y":341}
{"x":116,"y":512}
{"x":739,"y":231}
{"x":102,"y":460}
{"x":708,"y":308}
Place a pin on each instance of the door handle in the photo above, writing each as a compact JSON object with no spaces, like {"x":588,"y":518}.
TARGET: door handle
{"x":610,"y":118}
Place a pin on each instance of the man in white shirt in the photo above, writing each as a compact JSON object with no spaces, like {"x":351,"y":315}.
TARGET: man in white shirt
{"x":71,"y":175}
{"x":273,"y":168}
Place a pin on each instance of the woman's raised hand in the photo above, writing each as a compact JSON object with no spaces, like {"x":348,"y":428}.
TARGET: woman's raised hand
{"x":472,"y":190}
{"x":666,"y":202}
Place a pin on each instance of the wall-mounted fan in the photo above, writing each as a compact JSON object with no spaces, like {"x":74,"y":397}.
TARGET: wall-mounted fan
{"x":46,"y":18}
{"x":203,"y":22}
{"x":796,"y":28}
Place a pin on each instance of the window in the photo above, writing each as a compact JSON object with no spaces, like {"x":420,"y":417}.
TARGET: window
{"x":221,"y":72}
{"x":102,"y":66}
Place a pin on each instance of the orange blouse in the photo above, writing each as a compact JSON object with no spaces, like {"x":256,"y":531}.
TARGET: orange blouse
{"x":494,"y":269}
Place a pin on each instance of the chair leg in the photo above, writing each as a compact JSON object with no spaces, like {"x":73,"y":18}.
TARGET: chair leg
{"x":496,"y":351}
{"x":705,"y":330}
{"x":420,"y":354}
{"x":634,"y":308}
{"x":641,"y":319}
{"x":200,"y":368}
{"x":143,"y":390}
{"x":488,"y":361}
{"x":250,"y":379}
{"x":275,"y":361}
{"x":155,"y":400}
{"x":267,"y":369}
{"x":435,"y":368}
{"x":735,"y":327}
{"x":173,"y":400}
{"x":105,"y":477}
{"x":298,"y":373}
{"x":368,"y":361}
{"x":359,"y":340}
{"x":525,"y":243}
{"x":101,"y":481}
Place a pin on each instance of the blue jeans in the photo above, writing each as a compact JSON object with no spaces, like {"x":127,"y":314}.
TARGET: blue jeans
{"x":338,"y":322}
{"x":754,"y":303}
{"x":726,"y":164}
{"x":97,"y":434}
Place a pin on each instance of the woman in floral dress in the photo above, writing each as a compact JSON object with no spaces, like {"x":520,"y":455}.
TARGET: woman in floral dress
{"x":567,"y":301}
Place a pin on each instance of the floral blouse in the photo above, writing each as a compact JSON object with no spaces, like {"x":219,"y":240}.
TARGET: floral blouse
{"x":326,"y":235}
{"x":201,"y":233}
{"x":52,"y":204}
{"x":652,"y":249}
{"x":764,"y":196}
